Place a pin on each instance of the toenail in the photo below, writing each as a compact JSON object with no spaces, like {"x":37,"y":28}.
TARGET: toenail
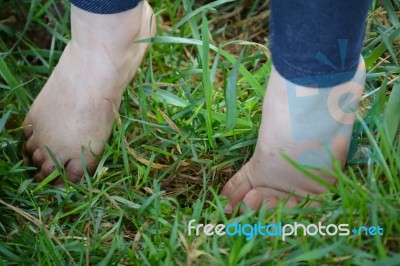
{"x":228,"y":209}
{"x":28,"y":130}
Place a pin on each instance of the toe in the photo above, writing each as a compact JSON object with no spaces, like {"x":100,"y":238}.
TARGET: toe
{"x":257,"y":196}
{"x":74,"y":170}
{"x":236,"y":188}
{"x":49,"y":167}
{"x":39,"y":177}
{"x":30,"y":145}
{"x":291,"y":203}
{"x":27,"y":128}
{"x":37,"y":157}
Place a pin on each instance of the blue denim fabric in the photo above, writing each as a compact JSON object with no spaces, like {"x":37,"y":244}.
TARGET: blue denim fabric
{"x":317,"y":43}
{"x":104,"y":6}
{"x":313,"y":42}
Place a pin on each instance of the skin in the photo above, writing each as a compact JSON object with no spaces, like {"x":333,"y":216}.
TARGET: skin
{"x":75,"y":110}
{"x":268,"y":177}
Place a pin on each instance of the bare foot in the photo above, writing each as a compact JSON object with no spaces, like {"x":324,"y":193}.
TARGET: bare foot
{"x":75,"y":109}
{"x":311,"y":126}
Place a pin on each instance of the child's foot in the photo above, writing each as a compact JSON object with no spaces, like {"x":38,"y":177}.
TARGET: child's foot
{"x":75,"y":109}
{"x":310,"y":126}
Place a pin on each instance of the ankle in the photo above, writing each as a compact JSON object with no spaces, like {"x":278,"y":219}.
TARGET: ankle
{"x":111,"y":33}
{"x":312,"y":126}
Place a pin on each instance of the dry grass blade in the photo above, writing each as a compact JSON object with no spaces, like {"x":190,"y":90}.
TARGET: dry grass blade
{"x":143,"y":160}
{"x":173,"y":125}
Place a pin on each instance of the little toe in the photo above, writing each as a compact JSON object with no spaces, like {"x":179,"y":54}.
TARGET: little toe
{"x":236,"y":189}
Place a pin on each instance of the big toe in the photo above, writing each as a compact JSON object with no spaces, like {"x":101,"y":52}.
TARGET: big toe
{"x":237,"y":188}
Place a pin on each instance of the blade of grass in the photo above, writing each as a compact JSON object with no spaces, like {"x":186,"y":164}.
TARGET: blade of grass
{"x":391,"y":118}
{"x":246,"y":74}
{"x":199,"y":10}
{"x":231,"y":95}
{"x":208,"y":89}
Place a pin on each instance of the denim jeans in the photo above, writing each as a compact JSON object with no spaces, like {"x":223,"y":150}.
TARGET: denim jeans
{"x":317,"y":42}
{"x":105,"y":6}
{"x":313,"y":42}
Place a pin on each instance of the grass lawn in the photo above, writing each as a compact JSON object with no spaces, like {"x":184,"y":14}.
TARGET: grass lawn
{"x":178,"y":139}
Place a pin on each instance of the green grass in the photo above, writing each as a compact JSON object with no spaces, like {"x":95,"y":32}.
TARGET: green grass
{"x":179,"y":140}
